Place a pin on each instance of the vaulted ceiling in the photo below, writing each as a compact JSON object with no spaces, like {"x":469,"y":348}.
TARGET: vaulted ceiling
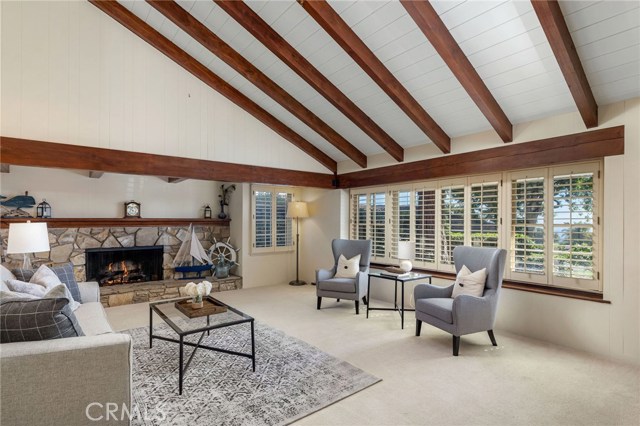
{"x":343,"y":80}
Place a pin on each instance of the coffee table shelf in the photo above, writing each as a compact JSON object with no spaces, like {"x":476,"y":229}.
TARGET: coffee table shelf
{"x":184,"y":326}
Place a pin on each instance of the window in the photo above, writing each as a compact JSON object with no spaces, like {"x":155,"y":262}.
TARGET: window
{"x":272,"y":229}
{"x":551,"y":226}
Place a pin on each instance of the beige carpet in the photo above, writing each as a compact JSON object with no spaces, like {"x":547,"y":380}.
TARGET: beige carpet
{"x":521,"y":382}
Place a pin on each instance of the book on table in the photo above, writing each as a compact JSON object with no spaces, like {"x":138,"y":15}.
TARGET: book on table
{"x":395,"y":272}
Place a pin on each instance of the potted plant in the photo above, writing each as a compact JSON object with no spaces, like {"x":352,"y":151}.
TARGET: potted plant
{"x":197,"y":292}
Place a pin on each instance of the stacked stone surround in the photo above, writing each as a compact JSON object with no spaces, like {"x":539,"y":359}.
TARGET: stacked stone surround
{"x":125,"y":294}
{"x":69,"y":244}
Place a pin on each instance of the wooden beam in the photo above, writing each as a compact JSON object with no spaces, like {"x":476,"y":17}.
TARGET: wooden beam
{"x":555,"y":27}
{"x":175,"y":179}
{"x":5,"y":168}
{"x":545,"y":152}
{"x":25,"y":152}
{"x":105,"y":222}
{"x":203,"y":35}
{"x":182,"y":58}
{"x":95,"y":175}
{"x":254,"y":24}
{"x":443,"y":42}
{"x":333,"y":24}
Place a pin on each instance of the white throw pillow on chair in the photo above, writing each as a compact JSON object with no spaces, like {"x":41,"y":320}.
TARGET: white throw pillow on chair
{"x":347,"y":268}
{"x":471,"y":283}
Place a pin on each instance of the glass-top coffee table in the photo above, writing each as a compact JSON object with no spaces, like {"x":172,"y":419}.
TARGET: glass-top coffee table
{"x":184,"y":326}
{"x":396,"y":278}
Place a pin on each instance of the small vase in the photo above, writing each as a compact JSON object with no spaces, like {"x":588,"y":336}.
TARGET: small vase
{"x":196,"y":303}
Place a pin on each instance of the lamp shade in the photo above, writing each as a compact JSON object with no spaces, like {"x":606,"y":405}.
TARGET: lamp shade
{"x":297,"y":209}
{"x":28,"y":238}
{"x":405,"y":250}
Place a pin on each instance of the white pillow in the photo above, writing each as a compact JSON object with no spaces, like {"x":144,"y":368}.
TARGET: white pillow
{"x":49,"y":280}
{"x":29,"y":288}
{"x":347,"y":268}
{"x":470,"y":283}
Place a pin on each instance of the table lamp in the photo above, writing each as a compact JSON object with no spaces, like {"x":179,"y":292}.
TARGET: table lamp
{"x":297,"y":210}
{"x":27,"y":238}
{"x":405,"y":254}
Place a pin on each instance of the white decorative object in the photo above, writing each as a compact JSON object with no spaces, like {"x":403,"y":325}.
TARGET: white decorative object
{"x":27,"y":238}
{"x":347,"y":268}
{"x":198,"y":292}
{"x":405,"y":254}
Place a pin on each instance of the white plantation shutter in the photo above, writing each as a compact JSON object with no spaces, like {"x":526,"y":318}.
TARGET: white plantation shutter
{"x":272,"y":229}
{"x":400,"y":219}
{"x":284,"y":234}
{"x":262,"y":219}
{"x":425,"y":226}
{"x":358,"y":216}
{"x":484,"y":212}
{"x":575,"y":229}
{"x":377,"y":224}
{"x":528,"y":227}
{"x":452,"y":229}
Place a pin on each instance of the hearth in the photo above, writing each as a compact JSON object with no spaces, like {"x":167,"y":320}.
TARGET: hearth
{"x":124,"y":265}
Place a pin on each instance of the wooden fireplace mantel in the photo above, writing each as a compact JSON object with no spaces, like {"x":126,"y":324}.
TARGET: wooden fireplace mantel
{"x":115,"y":222}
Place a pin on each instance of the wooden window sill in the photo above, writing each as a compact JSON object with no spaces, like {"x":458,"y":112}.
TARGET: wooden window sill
{"x":522,"y":286}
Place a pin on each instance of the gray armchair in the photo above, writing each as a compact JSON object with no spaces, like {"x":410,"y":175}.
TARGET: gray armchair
{"x":465,"y":314}
{"x":345,"y":288}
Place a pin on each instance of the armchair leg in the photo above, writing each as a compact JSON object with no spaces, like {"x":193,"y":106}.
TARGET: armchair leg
{"x":418,"y":327}
{"x":319,"y":302}
{"x":492,"y":337}
{"x":456,"y":345}
{"x":364,"y":300}
{"x":357,"y":308}
{"x":337,"y":300}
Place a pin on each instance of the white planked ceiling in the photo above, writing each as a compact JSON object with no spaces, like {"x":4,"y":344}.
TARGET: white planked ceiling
{"x":502,"y":39}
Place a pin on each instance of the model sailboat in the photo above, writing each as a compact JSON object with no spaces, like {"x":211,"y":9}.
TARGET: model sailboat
{"x":191,"y":256}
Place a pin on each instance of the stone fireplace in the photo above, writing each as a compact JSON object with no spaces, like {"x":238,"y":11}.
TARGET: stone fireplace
{"x":124,"y":265}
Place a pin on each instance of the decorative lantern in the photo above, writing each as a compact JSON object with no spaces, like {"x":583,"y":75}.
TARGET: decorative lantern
{"x":207,"y":212}
{"x":43,"y":209}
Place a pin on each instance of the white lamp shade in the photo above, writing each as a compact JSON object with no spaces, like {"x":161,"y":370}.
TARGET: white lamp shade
{"x":405,"y":250}
{"x":28,"y":238}
{"x":297,"y":209}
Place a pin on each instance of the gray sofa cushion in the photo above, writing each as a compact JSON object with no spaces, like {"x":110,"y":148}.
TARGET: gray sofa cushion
{"x":93,"y":319}
{"x":439,"y":308}
{"x":24,"y":320}
{"x":65,"y":275}
{"x":341,"y":285}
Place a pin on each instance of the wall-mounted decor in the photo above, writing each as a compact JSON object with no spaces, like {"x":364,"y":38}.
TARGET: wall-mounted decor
{"x":131,"y":209}
{"x":225,"y":195}
{"x":13,"y":206}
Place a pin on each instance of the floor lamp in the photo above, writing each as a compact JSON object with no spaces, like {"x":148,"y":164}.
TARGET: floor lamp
{"x":297,"y":210}
{"x":27,"y":238}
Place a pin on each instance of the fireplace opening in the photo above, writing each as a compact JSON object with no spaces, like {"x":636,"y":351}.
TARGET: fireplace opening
{"x":124,"y":265}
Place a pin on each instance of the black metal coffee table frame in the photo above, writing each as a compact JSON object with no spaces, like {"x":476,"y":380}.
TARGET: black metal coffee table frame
{"x":182,"y":369}
{"x":395,"y":278}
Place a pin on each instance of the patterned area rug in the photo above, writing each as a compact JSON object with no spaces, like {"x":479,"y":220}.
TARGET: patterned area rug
{"x":292,"y":379}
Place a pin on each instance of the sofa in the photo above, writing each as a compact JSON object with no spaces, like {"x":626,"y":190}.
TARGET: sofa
{"x":69,"y":381}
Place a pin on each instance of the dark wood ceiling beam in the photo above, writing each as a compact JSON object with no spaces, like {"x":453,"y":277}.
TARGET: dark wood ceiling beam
{"x":190,"y":25}
{"x":443,"y":42}
{"x":254,"y":24}
{"x":24,"y":152}
{"x":182,"y":58}
{"x":333,"y":24}
{"x":557,"y":32}
{"x":541,"y":153}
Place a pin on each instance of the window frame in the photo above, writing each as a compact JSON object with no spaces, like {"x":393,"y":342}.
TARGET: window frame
{"x":504,"y":180}
{"x":274,"y":190}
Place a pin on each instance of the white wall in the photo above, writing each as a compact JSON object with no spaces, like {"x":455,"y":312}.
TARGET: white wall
{"x":73,"y":193}
{"x":612,"y":330}
{"x":71,"y":74}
